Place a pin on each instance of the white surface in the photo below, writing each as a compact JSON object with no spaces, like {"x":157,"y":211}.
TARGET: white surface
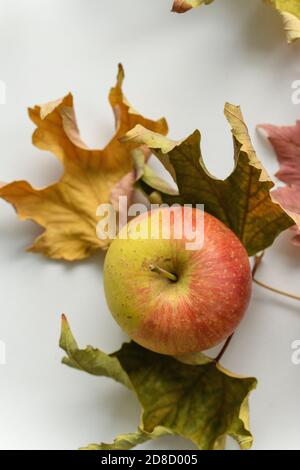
{"x":184,"y":67}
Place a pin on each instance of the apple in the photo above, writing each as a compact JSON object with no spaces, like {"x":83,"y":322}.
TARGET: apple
{"x":170,"y":299}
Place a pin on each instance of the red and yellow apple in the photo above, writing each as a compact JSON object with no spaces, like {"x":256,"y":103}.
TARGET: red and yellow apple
{"x":174,"y":300}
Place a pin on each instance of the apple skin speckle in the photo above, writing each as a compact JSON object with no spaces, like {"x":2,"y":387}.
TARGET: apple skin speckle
{"x":198,"y":311}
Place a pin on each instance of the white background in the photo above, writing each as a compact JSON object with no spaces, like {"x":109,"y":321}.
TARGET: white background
{"x":184,"y":67}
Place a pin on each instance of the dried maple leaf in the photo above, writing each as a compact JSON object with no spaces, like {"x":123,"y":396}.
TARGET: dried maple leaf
{"x":67,"y":209}
{"x":181,"y":6}
{"x":288,"y":9}
{"x":140,"y":177}
{"x":203,"y":403}
{"x":242,"y":201}
{"x":289,"y":198}
{"x":286,"y":143}
{"x":138,"y":180}
{"x":290,"y":13}
{"x":130,"y":440}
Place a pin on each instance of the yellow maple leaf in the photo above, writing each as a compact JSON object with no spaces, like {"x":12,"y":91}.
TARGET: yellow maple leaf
{"x":288,"y":9}
{"x":67,"y":209}
{"x":290,"y":13}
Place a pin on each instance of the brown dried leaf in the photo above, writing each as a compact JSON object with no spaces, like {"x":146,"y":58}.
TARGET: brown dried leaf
{"x":67,"y":209}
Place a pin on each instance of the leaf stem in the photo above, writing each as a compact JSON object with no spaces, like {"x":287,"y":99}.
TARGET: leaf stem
{"x":277,"y":291}
{"x":257,"y":261}
{"x":222,"y":352}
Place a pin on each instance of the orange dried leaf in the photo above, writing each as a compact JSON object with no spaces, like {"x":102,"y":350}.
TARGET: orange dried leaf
{"x":67,"y":209}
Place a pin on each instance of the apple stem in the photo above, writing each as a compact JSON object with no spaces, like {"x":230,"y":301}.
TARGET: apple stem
{"x":156,"y":269}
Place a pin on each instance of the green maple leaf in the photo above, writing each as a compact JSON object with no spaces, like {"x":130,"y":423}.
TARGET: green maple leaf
{"x":288,"y":9}
{"x":130,"y":440}
{"x":203,"y":403}
{"x":242,"y":201}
